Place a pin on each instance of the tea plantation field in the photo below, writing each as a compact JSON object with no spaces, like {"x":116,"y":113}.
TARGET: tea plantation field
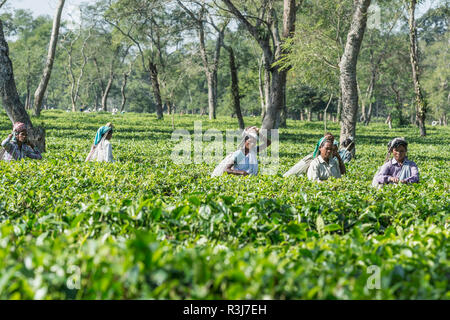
{"x":146,"y":228}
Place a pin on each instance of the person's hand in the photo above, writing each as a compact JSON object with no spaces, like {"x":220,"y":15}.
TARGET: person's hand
{"x":403,"y":181}
{"x":10,"y":136}
{"x":244,"y":173}
{"x":335,"y":151}
{"x":393,"y":179}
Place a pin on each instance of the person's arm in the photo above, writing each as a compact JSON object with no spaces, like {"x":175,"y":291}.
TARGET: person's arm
{"x":109,"y":156}
{"x":7,"y":143}
{"x":235,"y":172}
{"x":383,"y":175}
{"x":32,"y":153}
{"x":341,"y":163}
{"x":414,"y":178}
{"x":266,"y":142}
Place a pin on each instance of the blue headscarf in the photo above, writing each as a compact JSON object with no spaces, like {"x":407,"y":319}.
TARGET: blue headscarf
{"x":102,"y":131}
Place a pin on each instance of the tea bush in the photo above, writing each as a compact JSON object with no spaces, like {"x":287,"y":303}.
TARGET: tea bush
{"x":146,"y":228}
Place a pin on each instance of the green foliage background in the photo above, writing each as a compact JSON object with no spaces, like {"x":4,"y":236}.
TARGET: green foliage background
{"x":145,"y":228}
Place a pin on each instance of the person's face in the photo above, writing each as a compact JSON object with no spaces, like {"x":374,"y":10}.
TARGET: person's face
{"x":326,"y":151}
{"x":109,"y":135}
{"x":249,"y":143}
{"x":399,"y":153}
{"x":22,"y":136}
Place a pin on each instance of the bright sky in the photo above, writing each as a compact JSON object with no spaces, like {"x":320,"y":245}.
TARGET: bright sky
{"x":39,"y":7}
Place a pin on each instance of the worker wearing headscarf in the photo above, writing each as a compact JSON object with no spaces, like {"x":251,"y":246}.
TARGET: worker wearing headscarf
{"x":398,"y":169}
{"x":101,"y":150}
{"x":17,"y":146}
{"x":243,"y":161}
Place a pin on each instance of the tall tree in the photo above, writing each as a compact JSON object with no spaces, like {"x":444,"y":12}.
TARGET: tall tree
{"x":40,"y":91}
{"x":320,"y":25}
{"x":347,"y":68}
{"x":68,"y":42}
{"x":420,"y":102}
{"x":235,"y":95}
{"x":267,"y":34}
{"x":10,"y":98}
{"x":210,"y":67}
{"x":145,"y":23}
{"x":376,"y":50}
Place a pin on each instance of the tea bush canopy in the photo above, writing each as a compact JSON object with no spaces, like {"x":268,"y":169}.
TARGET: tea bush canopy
{"x":144,"y":227}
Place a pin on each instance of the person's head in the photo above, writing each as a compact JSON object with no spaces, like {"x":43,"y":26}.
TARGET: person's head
{"x":20,"y":132}
{"x":326,"y":149}
{"x":398,"y":147}
{"x":250,"y":142}
{"x":329,"y":136}
{"x":109,"y":134}
{"x":250,"y":135}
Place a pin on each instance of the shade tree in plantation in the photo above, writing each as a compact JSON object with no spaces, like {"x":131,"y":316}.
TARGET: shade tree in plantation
{"x":236,"y":58}
{"x":151,"y":28}
{"x":40,"y":91}
{"x":74,"y":43}
{"x":262,"y":21}
{"x":347,"y":70}
{"x":420,"y":101}
{"x":199,"y":14}
{"x":379,"y":44}
{"x":10,"y":98}
{"x":317,"y":47}
{"x":436,"y":77}
{"x":28,"y":50}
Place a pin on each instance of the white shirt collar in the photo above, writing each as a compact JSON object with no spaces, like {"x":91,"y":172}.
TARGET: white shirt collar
{"x":321,"y":160}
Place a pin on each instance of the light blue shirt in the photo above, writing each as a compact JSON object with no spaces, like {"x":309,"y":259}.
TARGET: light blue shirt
{"x":242,"y":162}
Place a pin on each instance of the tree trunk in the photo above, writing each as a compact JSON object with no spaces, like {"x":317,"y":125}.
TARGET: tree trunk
{"x":10,"y":98}
{"x":398,"y":105}
{"x":347,"y":67}
{"x":266,"y":93}
{"x":28,"y":97}
{"x":214,"y":70}
{"x":283,"y":112}
{"x":211,"y":97}
{"x":362,"y":116}
{"x":289,"y":14}
{"x":40,"y":91}
{"x":156,"y":93}
{"x":274,"y":105}
{"x":272,"y":118}
{"x":210,"y":70}
{"x":309,"y":114}
{"x":369,"y":114}
{"x":122,"y":91}
{"x":261,"y":88}
{"x":421,"y":105}
{"x":339,"y":108}
{"x":235,"y":90}
{"x":96,"y":98}
{"x":107,"y":89}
